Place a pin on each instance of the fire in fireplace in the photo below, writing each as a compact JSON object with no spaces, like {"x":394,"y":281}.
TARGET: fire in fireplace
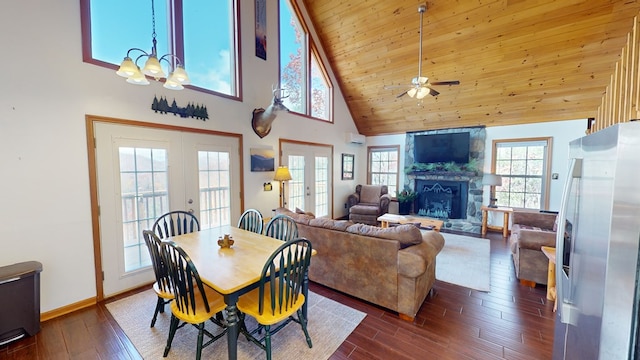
{"x":442,"y":199}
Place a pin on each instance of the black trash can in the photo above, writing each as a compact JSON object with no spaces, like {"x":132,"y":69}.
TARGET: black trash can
{"x":19,"y":300}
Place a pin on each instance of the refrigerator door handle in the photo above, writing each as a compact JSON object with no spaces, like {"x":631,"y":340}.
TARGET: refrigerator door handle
{"x":563,"y":279}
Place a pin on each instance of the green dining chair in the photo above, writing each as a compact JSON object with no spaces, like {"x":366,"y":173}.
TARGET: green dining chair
{"x":279,"y":295}
{"x":175,"y":223}
{"x":162,"y":286}
{"x":251,"y":220}
{"x":282,"y":227}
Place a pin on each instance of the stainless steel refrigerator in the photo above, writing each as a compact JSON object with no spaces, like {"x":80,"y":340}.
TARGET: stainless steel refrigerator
{"x":597,"y":248}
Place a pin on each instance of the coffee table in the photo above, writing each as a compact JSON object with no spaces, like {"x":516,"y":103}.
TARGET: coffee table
{"x":406,"y":219}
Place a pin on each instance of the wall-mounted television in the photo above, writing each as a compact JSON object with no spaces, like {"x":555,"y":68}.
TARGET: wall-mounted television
{"x":449,"y":147}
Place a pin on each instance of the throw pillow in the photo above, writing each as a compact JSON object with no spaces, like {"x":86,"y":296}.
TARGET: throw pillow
{"x":300,"y":211}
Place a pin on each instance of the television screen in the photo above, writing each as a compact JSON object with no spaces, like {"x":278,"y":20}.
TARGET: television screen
{"x":434,"y":148}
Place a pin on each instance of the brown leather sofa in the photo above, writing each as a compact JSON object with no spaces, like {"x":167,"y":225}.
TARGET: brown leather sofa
{"x":530,"y":231}
{"x":368,"y":203}
{"x":393,"y":268}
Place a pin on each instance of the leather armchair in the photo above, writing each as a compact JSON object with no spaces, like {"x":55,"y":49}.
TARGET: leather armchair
{"x":368,"y":203}
{"x":530,"y":231}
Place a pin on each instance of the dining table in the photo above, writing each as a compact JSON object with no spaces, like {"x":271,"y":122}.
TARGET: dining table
{"x":231,"y":271}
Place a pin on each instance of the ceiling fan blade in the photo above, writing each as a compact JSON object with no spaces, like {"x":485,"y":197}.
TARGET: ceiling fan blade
{"x":403,"y":94}
{"x":433,"y":92}
{"x":453,"y":82}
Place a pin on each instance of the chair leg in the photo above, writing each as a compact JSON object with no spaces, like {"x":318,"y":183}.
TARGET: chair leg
{"x":172,"y":331}
{"x":200,"y":336}
{"x":303,"y":324}
{"x":159,"y":309}
{"x":267,"y":340}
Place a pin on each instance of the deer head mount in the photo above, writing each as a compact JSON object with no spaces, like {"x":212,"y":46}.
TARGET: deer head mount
{"x":262,"y":119}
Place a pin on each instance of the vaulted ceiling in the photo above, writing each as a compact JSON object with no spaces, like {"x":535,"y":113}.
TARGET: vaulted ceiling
{"x":518,"y":61}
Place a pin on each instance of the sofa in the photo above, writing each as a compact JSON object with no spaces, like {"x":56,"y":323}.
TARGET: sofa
{"x":368,"y":203}
{"x":393,"y":267}
{"x":530,"y":231}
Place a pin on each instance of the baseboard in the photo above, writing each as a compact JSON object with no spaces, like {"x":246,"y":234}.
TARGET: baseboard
{"x":67,"y":309}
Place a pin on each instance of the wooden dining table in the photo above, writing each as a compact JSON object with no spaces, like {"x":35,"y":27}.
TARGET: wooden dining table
{"x":231,"y":271}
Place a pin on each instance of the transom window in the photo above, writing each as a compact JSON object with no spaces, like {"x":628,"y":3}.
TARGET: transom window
{"x":203,"y":34}
{"x":524,"y":167}
{"x":383,"y":167}
{"x":303,"y":77}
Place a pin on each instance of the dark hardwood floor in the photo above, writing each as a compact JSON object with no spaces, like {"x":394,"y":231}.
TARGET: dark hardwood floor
{"x":511,"y":321}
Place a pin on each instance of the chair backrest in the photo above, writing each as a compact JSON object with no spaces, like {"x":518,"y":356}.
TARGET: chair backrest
{"x":371,"y":193}
{"x":282,"y":227}
{"x":283,"y":275}
{"x":251,"y":220}
{"x":184,"y":279}
{"x":154,"y":244}
{"x":175,"y":223}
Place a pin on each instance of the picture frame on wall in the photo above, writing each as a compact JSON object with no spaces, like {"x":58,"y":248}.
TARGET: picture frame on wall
{"x":347,"y":166}
{"x":261,"y":29}
{"x":262,"y":159}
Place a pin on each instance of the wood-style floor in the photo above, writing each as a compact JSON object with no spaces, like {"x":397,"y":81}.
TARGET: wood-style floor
{"x":511,"y":321}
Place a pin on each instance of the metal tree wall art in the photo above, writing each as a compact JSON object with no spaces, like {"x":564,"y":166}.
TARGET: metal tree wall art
{"x":194,"y":111}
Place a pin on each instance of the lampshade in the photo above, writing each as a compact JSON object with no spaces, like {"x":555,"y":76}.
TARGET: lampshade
{"x":152,"y":67}
{"x":492,"y":180}
{"x":127,"y":68}
{"x":282,"y":174}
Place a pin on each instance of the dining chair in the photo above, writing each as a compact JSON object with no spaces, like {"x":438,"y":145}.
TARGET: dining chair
{"x":282,"y":227}
{"x":251,"y":220}
{"x":175,"y":223}
{"x":194,"y":303}
{"x":162,"y":286}
{"x":279,"y":294}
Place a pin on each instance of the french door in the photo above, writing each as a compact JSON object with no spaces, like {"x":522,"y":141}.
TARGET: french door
{"x":144,"y":172}
{"x":311,"y":185}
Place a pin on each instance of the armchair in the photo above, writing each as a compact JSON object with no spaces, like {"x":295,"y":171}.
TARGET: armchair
{"x":530,"y":231}
{"x":368,"y":203}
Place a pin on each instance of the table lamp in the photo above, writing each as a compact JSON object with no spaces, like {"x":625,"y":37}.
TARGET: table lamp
{"x":492,"y":180}
{"x":282,"y":175}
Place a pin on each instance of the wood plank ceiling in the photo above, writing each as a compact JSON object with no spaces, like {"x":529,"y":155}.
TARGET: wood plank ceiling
{"x":518,"y":61}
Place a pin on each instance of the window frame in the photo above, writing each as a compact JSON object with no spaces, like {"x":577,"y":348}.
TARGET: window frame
{"x":545,"y":187}
{"x":176,"y":44}
{"x":311,"y":52}
{"x":383,"y":148}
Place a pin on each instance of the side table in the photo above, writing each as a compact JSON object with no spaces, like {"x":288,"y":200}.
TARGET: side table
{"x":550,"y":252}
{"x":505,"y":226}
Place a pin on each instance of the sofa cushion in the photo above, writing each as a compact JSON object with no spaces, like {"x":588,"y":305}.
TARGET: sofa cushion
{"x":340,"y":225}
{"x":406,"y":234}
{"x":365,"y":209}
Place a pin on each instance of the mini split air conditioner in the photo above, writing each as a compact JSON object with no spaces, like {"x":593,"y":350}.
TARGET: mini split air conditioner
{"x":353,"y":138}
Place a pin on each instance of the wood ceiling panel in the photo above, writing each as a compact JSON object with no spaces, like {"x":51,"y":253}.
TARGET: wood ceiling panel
{"x":517,"y":61}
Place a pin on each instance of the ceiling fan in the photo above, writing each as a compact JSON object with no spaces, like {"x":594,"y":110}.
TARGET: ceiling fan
{"x":420,"y":85}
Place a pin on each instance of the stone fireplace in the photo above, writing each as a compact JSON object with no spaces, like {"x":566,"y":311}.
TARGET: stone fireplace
{"x":452,"y":196}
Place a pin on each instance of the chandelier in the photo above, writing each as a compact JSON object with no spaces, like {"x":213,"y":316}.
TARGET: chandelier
{"x":152,"y":67}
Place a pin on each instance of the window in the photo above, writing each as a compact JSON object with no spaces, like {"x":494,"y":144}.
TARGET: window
{"x":302,"y":75}
{"x":383,"y":167}
{"x":203,"y":34}
{"x":524,"y":166}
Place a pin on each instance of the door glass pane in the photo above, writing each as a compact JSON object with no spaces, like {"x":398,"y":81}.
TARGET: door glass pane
{"x":295,"y":192}
{"x":214,"y":182}
{"x":144,"y":196}
{"x":322,"y":186}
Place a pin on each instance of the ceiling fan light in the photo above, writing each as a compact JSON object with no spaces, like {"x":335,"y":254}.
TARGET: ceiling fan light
{"x":422,"y":92}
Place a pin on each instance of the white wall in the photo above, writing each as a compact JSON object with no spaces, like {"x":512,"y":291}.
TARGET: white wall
{"x":562,"y":132}
{"x":47,"y":91}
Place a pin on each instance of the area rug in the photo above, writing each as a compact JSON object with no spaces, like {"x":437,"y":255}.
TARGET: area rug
{"x":329,"y":325}
{"x":464,"y":261}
